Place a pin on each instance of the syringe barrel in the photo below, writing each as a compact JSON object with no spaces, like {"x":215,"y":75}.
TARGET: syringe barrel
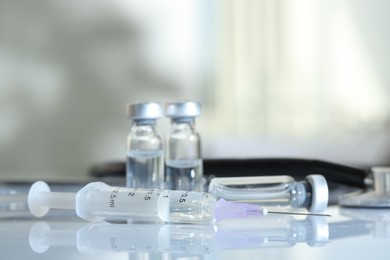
{"x":186,"y":207}
{"x":98,"y":201}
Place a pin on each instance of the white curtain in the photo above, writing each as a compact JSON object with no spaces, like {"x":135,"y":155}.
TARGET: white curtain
{"x":295,"y":68}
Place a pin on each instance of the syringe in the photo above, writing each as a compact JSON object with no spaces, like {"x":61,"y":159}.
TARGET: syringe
{"x":98,"y":201}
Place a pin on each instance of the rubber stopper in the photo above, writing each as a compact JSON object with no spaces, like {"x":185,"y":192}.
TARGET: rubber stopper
{"x":320,"y":193}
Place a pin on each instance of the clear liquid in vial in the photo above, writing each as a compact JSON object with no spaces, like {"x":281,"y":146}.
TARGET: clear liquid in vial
{"x":144,"y":169}
{"x":186,"y":175}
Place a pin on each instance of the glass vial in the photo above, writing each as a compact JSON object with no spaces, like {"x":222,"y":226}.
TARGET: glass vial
{"x":274,"y":191}
{"x":144,"y":165}
{"x":183,"y":161}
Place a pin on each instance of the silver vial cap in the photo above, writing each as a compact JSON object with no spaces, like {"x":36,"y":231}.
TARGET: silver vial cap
{"x":182,"y":109}
{"x":145,"y":110}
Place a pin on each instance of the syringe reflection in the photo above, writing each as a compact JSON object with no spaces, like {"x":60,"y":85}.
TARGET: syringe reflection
{"x":182,"y":239}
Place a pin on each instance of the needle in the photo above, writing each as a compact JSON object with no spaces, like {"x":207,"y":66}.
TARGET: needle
{"x":229,"y":209}
{"x":301,"y":214}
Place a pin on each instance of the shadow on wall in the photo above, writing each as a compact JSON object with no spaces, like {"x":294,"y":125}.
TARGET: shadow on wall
{"x":67,"y":70}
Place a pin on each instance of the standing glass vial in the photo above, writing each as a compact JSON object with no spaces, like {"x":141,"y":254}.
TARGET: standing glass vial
{"x":144,"y":165}
{"x":183,"y":162}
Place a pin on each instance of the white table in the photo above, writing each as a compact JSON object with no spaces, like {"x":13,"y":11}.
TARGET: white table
{"x":348,"y":234}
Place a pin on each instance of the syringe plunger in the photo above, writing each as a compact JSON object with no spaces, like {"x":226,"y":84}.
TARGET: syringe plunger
{"x":41,"y":199}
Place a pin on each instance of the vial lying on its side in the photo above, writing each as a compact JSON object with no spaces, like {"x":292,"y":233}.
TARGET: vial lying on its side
{"x":274,"y":191}
{"x":144,"y":166}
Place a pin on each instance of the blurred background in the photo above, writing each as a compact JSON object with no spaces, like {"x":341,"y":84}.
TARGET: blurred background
{"x":276,"y":78}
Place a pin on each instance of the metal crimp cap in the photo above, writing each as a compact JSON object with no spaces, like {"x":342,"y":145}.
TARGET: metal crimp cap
{"x":182,"y":109}
{"x":320,"y":193}
{"x":145,"y":110}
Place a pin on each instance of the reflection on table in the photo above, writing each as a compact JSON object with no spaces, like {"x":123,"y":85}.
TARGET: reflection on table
{"x":97,"y":238}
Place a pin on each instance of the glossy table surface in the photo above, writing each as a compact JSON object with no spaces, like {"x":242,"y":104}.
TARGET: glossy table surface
{"x":347,"y":234}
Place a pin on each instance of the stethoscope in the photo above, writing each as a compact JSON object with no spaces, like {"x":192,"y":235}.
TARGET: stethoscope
{"x":376,"y":195}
